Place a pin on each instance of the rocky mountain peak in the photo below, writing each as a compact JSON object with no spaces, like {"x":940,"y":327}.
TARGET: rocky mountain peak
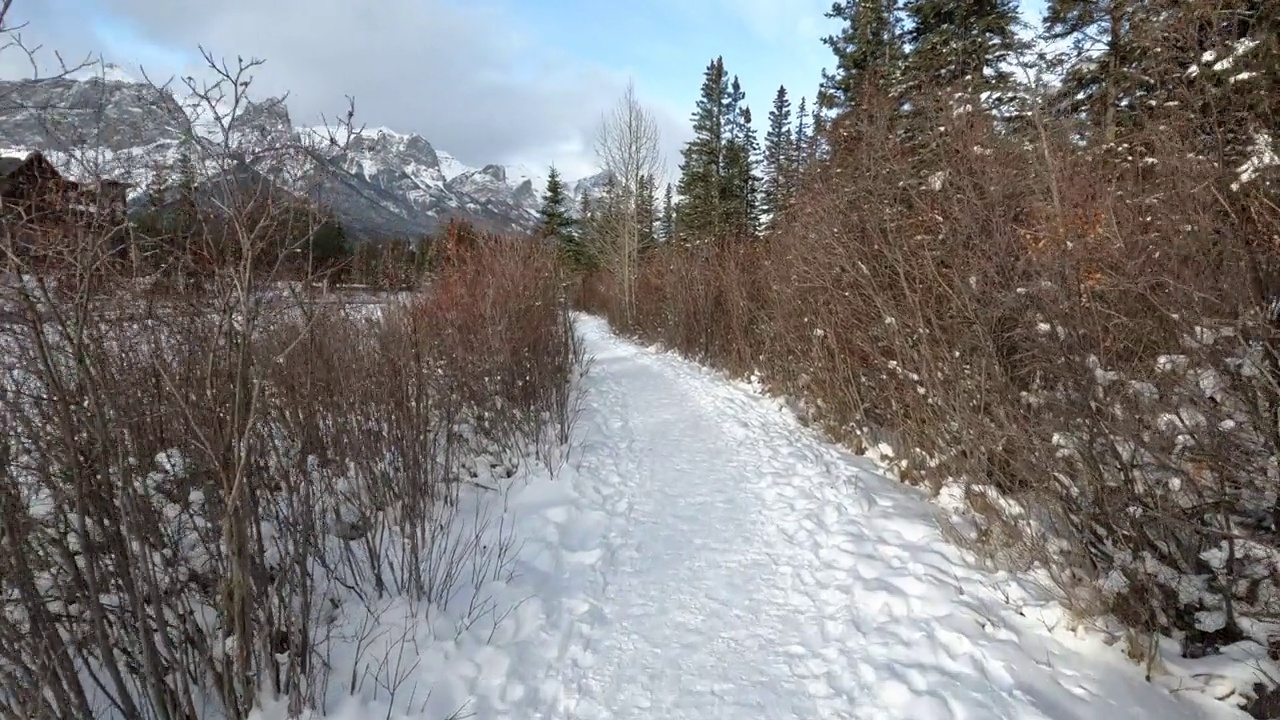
{"x":383,"y":184}
{"x":497,"y":172}
{"x":388,"y":144}
{"x":98,"y":111}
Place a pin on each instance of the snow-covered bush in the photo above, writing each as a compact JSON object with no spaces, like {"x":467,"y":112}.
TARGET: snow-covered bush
{"x":203,"y":489}
{"x":189,"y":497}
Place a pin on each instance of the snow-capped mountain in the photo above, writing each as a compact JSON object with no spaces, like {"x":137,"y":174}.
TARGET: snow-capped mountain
{"x":592,"y":187}
{"x":85,"y":112}
{"x":381,"y":184}
{"x":451,"y":166}
{"x":492,"y":183}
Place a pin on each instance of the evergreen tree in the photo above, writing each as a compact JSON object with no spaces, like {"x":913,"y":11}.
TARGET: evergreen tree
{"x":557,"y":223}
{"x":817,"y":134}
{"x":867,"y":50}
{"x":667,"y":222}
{"x":186,"y":192}
{"x":750,"y":177}
{"x":962,"y":44}
{"x":181,"y":219}
{"x":330,"y":250}
{"x":802,"y":144}
{"x":646,"y":212}
{"x":1107,"y":58}
{"x":587,"y":236}
{"x":737,"y":174}
{"x":1221,"y":75}
{"x":779,"y":155}
{"x":157,"y":191}
{"x":152,"y":224}
{"x":186,"y":171}
{"x":700,"y":214}
{"x":608,"y":214}
{"x":585,"y":208}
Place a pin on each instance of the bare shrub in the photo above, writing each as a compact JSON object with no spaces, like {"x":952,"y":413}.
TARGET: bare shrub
{"x":200,"y":485}
{"x":1081,"y":339}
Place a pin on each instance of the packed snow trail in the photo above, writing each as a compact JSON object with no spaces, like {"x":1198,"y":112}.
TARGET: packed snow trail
{"x":701,"y":555}
{"x":712,"y":558}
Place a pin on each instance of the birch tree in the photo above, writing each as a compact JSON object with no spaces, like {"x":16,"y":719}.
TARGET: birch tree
{"x":627,"y":146}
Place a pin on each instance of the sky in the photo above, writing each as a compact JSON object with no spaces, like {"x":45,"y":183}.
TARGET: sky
{"x":488,"y":81}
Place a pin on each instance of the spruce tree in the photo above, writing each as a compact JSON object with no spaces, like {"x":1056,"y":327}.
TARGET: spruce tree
{"x":157,"y":191}
{"x":186,"y":190}
{"x":818,"y":123}
{"x":646,"y":212}
{"x":609,"y":213}
{"x":867,"y":49}
{"x":1106,"y":60}
{"x":802,"y":143}
{"x":667,"y":222}
{"x":586,"y":237}
{"x":557,"y":223}
{"x":180,"y":220}
{"x":750,"y":176}
{"x":779,"y":156}
{"x":186,"y":171}
{"x":739,"y":179}
{"x":700,"y":214}
{"x":962,"y":45}
{"x":1220,"y":76}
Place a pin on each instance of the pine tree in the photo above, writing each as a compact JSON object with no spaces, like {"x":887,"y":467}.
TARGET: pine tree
{"x":818,"y":123}
{"x":749,"y":174}
{"x":186,"y":171}
{"x":1222,"y":70}
{"x":185,"y":192}
{"x":557,"y":223}
{"x":802,"y":143}
{"x":667,"y":221}
{"x":700,"y":215}
{"x":779,"y":156}
{"x":608,"y":214}
{"x":962,"y":44}
{"x":586,"y":237}
{"x":1107,"y":59}
{"x":157,"y":192}
{"x":646,"y":212}
{"x":867,"y":50}
{"x":737,"y":166}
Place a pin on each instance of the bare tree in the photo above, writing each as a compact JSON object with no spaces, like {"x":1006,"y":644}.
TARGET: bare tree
{"x":627,"y":147}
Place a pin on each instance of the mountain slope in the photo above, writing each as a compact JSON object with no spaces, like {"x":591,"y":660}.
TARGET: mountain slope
{"x":384,"y":184}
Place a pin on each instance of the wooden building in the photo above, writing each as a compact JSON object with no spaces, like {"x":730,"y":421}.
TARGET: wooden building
{"x":43,"y":214}
{"x":33,"y":191}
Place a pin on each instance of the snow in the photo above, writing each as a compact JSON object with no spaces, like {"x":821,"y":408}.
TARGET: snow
{"x":1264,"y":156}
{"x":107,"y":72}
{"x":451,"y":166}
{"x":517,"y":174}
{"x":701,"y":554}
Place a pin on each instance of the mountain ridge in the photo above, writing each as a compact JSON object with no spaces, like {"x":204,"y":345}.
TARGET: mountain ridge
{"x":384,"y":184}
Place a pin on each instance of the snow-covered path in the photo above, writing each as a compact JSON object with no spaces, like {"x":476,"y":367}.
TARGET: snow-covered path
{"x":705,"y":557}
{"x":701,"y":555}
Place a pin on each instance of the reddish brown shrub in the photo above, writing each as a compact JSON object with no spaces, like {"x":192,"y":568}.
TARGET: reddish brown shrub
{"x":1080,"y":339}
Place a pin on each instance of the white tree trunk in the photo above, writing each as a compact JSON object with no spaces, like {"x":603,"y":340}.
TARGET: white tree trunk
{"x":627,"y":146}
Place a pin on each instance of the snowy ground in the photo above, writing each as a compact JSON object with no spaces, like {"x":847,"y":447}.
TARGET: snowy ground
{"x":702,"y":555}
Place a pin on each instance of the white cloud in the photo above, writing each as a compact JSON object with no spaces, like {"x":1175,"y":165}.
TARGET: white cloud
{"x":463,"y":76}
